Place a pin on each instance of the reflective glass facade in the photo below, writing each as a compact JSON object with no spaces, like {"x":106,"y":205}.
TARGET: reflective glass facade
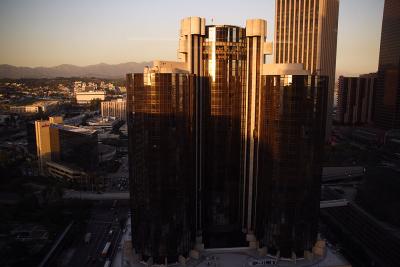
{"x":306,"y":33}
{"x":221,"y":155}
{"x":224,"y":61}
{"x":160,"y":117}
{"x":291,"y":145}
{"x":76,"y":149}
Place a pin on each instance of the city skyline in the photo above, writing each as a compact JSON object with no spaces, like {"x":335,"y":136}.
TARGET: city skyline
{"x":89,"y":33}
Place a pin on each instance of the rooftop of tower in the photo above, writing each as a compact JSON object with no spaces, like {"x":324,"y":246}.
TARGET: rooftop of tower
{"x":223,"y":25}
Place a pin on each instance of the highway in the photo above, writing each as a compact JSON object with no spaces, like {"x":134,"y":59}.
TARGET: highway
{"x":104,"y":227}
{"x":73,"y":194}
{"x":380,"y":244}
{"x":330,"y":174}
{"x":364,"y":238}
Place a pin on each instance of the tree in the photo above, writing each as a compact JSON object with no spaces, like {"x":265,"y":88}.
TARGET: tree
{"x":94,"y":104}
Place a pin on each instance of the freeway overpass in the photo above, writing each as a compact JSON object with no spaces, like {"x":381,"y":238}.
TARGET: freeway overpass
{"x":330,"y":174}
{"x":72,"y":194}
{"x":333,"y":203}
{"x":69,"y":194}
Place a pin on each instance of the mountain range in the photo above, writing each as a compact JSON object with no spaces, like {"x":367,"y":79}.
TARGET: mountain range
{"x":101,"y":70}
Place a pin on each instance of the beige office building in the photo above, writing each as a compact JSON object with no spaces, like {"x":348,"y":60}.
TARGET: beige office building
{"x":114,"y":108}
{"x":45,"y":144}
{"x":306,"y":32}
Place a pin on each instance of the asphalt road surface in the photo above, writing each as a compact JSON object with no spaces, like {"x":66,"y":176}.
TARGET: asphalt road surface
{"x":104,"y":226}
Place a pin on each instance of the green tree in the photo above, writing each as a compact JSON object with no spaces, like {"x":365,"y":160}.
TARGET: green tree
{"x":94,"y":104}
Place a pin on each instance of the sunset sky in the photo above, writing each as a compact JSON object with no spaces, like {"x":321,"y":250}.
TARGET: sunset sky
{"x":83,"y":32}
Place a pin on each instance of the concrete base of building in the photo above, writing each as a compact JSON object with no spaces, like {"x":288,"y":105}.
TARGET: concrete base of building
{"x":182,"y":260}
{"x":194,"y":254}
{"x":262,"y":252}
{"x":319,"y":248}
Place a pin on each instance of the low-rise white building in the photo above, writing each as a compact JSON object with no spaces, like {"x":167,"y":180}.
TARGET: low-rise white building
{"x":86,"y":97}
{"x":114,"y":108}
{"x":35,"y":107}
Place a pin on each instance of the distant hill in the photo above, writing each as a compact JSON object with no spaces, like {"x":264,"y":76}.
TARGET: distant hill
{"x":101,"y":70}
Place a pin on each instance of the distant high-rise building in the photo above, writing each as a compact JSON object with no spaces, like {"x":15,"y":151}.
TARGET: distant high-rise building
{"x":356,"y":99}
{"x":44,"y":145}
{"x":197,"y":144}
{"x":65,"y":144}
{"x":306,"y":32}
{"x":387,"y":108}
{"x":114,"y":108}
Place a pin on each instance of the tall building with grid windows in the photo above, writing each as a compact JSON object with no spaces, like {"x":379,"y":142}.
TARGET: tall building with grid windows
{"x":160,"y":126}
{"x":224,"y":62}
{"x":45,"y":148}
{"x":306,"y":33}
{"x":387,"y":108}
{"x":291,"y":134}
{"x":114,"y":108}
{"x":198,"y":142}
{"x":356,"y":99}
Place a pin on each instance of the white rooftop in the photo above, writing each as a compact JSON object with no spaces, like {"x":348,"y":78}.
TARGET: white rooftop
{"x":74,"y":129}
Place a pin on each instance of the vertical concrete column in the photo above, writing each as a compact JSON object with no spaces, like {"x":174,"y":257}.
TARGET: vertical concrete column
{"x":257,"y":48}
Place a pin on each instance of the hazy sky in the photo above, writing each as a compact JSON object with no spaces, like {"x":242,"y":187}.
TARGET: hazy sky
{"x":83,"y":32}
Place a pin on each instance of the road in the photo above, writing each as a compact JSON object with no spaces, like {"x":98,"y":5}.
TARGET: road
{"x":104,"y":226}
{"x":94,"y":196}
{"x":365,"y":239}
{"x":330,"y":174}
